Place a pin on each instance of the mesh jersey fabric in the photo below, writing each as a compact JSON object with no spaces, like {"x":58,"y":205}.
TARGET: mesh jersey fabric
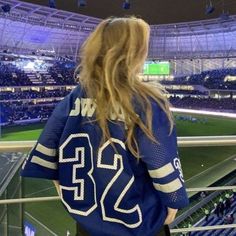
{"x":104,"y":188}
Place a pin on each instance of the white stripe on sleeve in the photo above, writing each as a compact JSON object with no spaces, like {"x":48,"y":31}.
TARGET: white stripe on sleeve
{"x":162,"y":172}
{"x":45,"y":150}
{"x":44,"y":163}
{"x":170,"y":187}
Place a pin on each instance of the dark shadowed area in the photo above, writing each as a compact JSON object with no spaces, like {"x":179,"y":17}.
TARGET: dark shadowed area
{"x":153,"y":11}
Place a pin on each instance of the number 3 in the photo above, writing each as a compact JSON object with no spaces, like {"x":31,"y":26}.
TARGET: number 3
{"x":131,"y":218}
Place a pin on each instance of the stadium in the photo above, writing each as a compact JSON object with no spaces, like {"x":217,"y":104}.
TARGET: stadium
{"x":193,"y":58}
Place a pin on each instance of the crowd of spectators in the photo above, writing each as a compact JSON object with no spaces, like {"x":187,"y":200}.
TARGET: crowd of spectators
{"x":213,"y":79}
{"x":13,"y":108}
{"x":62,"y":75}
{"x":31,"y":94}
{"x":17,"y":111}
{"x":224,"y":209}
{"x":188,"y":92}
{"x":11,"y":75}
{"x":218,"y":211}
{"x":13,"y":111}
{"x":223,"y":104}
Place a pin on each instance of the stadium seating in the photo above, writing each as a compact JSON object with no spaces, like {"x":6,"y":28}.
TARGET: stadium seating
{"x":214,"y":220}
{"x":31,"y":94}
{"x":13,"y":112}
{"x":214,"y":79}
{"x":12,"y":76}
{"x":22,"y":104}
{"x":226,"y":104}
{"x":56,"y":74}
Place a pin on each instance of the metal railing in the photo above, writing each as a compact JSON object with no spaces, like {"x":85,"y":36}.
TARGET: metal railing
{"x":195,"y":141}
{"x":200,"y":141}
{"x":194,"y":229}
{"x":55,"y":198}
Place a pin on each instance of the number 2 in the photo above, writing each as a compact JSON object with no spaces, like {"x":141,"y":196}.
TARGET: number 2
{"x":124,"y":214}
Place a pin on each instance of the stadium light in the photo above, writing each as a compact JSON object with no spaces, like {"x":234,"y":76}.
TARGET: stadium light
{"x":52,"y":3}
{"x":82,"y":3}
{"x":126,"y":4}
{"x":209,"y":8}
{"x":6,"y":8}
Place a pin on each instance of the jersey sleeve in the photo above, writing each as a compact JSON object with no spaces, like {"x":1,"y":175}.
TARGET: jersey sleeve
{"x":42,"y":161}
{"x":163,"y":162}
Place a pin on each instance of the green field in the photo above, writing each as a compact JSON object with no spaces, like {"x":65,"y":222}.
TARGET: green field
{"x":207,"y":156}
{"x":214,"y":126}
{"x":199,"y":166}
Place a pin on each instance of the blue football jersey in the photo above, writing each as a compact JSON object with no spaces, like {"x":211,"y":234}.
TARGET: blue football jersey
{"x":102,"y":185}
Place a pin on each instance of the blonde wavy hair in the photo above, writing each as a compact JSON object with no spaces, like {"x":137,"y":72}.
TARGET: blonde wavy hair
{"x":111,"y":60}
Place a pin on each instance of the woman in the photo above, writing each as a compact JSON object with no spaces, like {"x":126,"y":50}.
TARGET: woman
{"x":110,"y":145}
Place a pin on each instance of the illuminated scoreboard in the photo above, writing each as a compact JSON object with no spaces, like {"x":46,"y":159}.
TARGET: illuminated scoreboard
{"x":156,"y":68}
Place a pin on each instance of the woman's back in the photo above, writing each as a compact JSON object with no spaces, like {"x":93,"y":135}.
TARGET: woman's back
{"x":111,"y":144}
{"x":103,"y":186}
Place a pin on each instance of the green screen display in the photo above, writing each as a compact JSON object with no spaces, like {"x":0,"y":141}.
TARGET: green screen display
{"x":160,"y":68}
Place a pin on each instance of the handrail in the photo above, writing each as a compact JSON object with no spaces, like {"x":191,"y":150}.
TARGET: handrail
{"x":200,"y":141}
{"x":206,"y":141}
{"x":28,"y":200}
{"x":190,"y":229}
{"x":221,"y":188}
{"x":194,"y":141}
{"x":194,"y":229}
{"x":53,"y":198}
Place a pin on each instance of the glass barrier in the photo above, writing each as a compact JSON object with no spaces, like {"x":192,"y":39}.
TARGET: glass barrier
{"x":45,"y":218}
{"x":11,"y":215}
{"x":202,"y":166}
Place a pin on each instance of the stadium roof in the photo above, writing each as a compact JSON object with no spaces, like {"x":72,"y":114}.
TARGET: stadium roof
{"x":30,"y":28}
{"x":46,"y":14}
{"x":154,"y":11}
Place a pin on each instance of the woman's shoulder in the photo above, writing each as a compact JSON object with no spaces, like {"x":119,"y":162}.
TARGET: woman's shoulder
{"x":77,"y":90}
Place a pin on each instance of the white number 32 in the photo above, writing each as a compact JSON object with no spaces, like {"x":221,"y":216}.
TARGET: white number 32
{"x":83,"y":190}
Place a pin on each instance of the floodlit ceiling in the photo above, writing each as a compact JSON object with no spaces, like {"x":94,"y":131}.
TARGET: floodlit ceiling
{"x":153,"y":11}
{"x":30,"y":27}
